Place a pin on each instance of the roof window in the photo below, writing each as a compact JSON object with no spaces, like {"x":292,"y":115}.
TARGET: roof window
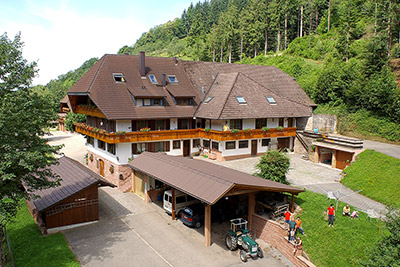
{"x":152,"y":78}
{"x":271,"y":100}
{"x":241,"y":100}
{"x":172,"y":79}
{"x":208,"y":99}
{"x":119,"y":77}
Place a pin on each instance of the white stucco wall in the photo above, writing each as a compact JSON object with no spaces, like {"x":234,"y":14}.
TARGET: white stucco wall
{"x":102,"y":153}
{"x":124,"y":125}
{"x":249,"y":123}
{"x":217,"y":125}
{"x":124,"y":151}
{"x":272,"y":123}
{"x":175,"y":152}
{"x":236,"y":151}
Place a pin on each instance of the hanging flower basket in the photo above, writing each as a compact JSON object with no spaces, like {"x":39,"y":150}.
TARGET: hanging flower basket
{"x":111,"y":169}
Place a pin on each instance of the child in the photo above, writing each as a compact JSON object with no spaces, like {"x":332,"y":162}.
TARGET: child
{"x":298,"y":245}
{"x":346,"y":210}
{"x":354,"y":214}
{"x":292,"y":232}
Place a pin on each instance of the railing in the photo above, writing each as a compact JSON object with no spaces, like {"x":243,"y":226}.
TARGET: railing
{"x":149,"y":136}
{"x":91,"y":111}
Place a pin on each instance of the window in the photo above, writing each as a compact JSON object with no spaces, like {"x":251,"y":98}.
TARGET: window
{"x":215,"y":145}
{"x":271,"y":100}
{"x":90,"y":140}
{"x":184,"y":101}
{"x":206,"y":143}
{"x":196,"y":142}
{"x":208,"y":99}
{"x":244,"y":144}
{"x":172,"y":79}
{"x":118,"y":77}
{"x":101,"y":144}
{"x":141,"y":124}
{"x":157,"y":102}
{"x":235,"y":124}
{"x":152,"y":79}
{"x":159,"y":146}
{"x":230,"y":145}
{"x":140,"y":148}
{"x":241,"y":100}
{"x":111,"y":148}
{"x":281,"y":122}
{"x":146,"y":102}
{"x":265,"y":142}
{"x":176,"y":144}
{"x":261,"y":123}
{"x":160,"y":125}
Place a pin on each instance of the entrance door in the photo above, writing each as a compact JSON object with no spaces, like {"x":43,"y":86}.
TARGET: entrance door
{"x":139,"y":184}
{"x":254,"y":147}
{"x":283,"y":143}
{"x":186,"y":148}
{"x":101,"y":166}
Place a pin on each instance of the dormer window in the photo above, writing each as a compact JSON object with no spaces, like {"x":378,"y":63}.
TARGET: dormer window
{"x":184,"y":101}
{"x":241,"y":100}
{"x":271,"y":100}
{"x":172,"y":79}
{"x":208,"y":99}
{"x":119,"y":77}
{"x":152,"y":78}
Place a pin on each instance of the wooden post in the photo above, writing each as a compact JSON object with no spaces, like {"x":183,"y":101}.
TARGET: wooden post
{"x":146,"y":189}
{"x":316,"y":157}
{"x":173,"y":203}
{"x":207,"y":225}
{"x":292,"y":204}
{"x":252,"y":204}
{"x":334,"y":155}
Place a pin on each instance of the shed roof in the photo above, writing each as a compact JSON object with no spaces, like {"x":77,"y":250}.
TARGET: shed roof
{"x":203,"y":180}
{"x":75,"y":177}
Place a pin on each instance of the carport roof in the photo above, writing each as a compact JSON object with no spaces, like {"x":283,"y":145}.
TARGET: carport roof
{"x":75,"y":177}
{"x":203,"y":180}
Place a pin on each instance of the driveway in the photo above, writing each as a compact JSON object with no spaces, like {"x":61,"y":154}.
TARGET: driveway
{"x":388,"y":149}
{"x":74,"y":144}
{"x":133,"y":233}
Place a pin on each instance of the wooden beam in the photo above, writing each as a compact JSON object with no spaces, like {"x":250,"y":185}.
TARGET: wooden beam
{"x":251,"y":209}
{"x":173,"y":203}
{"x":292,"y":204}
{"x":207,"y":225}
{"x":146,"y":188}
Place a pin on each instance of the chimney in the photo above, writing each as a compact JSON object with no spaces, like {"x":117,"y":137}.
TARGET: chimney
{"x":163,"y":79}
{"x":142,"y":65}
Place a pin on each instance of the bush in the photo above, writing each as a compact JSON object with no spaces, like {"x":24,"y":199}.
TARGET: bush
{"x":72,"y":118}
{"x":273,"y":166}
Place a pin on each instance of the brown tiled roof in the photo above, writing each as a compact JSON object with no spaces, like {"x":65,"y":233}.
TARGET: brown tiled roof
{"x":75,"y":177}
{"x":203,"y":180}
{"x":115,"y":100}
{"x":224,"y":105}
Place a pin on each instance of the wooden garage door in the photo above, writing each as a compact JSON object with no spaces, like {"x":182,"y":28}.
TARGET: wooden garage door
{"x":139,"y":184}
{"x":343,"y":159}
{"x":283,"y":143}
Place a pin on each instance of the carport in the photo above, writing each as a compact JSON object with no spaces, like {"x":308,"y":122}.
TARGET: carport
{"x":203,"y":180}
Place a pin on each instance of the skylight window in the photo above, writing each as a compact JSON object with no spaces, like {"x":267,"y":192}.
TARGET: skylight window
{"x":152,"y":78}
{"x":271,"y":100}
{"x":172,"y":79}
{"x":241,"y":100}
{"x":119,"y":77}
{"x":208,"y":99}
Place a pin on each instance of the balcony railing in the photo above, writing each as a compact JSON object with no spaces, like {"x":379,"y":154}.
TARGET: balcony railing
{"x":149,"y":136}
{"x":89,"y":110}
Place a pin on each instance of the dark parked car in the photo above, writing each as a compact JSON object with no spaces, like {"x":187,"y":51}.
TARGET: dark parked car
{"x":193,"y":215}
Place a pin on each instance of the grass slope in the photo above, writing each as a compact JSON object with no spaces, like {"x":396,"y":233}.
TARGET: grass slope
{"x":345,"y":244}
{"x":377,"y":174}
{"x":30,"y":248}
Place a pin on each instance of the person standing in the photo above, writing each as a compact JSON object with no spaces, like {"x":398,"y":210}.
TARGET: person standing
{"x":226,"y":127}
{"x":287,"y":216}
{"x":331,"y":215}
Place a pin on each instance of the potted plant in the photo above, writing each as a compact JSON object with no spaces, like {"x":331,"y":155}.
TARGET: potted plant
{"x":207,"y":129}
{"x":235,"y":131}
{"x":91,"y":157}
{"x":265,"y":129}
{"x":279,"y":128}
{"x":145,"y":129}
{"x":103,"y":132}
{"x":111,"y":168}
{"x":247,"y":130}
{"x":120,"y":133}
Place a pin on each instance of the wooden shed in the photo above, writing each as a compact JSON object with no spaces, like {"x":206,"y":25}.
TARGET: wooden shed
{"x":73,"y":203}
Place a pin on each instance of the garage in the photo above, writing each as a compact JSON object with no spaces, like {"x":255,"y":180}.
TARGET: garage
{"x":73,"y":203}
{"x":210,"y":184}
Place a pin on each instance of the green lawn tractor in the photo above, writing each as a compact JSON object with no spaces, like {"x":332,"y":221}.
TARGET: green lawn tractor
{"x":239,"y":236}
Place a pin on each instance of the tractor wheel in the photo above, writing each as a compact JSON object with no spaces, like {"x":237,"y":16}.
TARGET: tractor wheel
{"x":243,"y":255}
{"x":197,"y":225}
{"x":230,"y":242}
{"x":260,"y":253}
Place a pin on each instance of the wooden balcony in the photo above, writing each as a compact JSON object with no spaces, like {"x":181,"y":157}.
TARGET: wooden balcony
{"x":95,"y":112}
{"x":150,"y":136}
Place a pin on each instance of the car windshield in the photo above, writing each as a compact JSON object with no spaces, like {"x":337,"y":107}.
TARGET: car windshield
{"x":188,"y":212}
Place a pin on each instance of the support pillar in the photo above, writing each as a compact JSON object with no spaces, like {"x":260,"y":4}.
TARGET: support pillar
{"x":146,"y":188}
{"x":207,"y":225}
{"x":173,"y":203}
{"x":252,"y":204}
{"x":292,"y":204}
{"x":334,"y":155}
{"x":316,"y":156}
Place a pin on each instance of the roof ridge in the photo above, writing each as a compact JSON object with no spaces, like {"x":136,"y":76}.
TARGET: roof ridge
{"x":230,"y":92}
{"x":266,"y":87}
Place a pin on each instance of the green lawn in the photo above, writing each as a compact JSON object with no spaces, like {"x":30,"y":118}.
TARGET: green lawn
{"x":345,"y":244}
{"x":377,"y":174}
{"x":30,"y":248}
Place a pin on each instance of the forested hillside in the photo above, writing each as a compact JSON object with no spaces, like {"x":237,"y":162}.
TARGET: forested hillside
{"x":342,"y":52}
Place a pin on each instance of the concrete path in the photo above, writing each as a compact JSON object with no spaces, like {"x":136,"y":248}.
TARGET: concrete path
{"x":133,"y":233}
{"x":74,"y":144}
{"x":388,"y":149}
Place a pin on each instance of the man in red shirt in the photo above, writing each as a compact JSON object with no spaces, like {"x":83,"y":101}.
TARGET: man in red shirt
{"x":331,"y":215}
{"x":287,"y":216}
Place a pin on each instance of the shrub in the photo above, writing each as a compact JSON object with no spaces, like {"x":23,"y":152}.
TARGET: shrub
{"x":73,"y":118}
{"x":273,"y":166}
